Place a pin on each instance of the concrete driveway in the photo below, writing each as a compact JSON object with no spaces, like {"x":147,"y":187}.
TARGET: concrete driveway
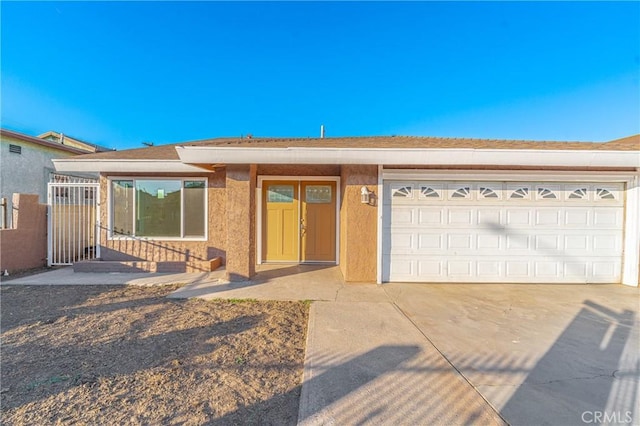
{"x":539,"y":354}
{"x":481,"y":354}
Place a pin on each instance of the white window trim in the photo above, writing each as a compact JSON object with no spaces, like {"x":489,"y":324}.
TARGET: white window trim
{"x":182,"y":179}
{"x":259,"y":209}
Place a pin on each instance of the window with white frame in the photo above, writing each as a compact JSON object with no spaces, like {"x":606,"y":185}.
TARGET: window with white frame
{"x":158,"y":208}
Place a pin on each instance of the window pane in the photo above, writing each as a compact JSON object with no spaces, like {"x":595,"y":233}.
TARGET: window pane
{"x":280,"y":194}
{"x":158,"y":208}
{"x":122,"y":207}
{"x":318,"y":194}
{"x":194,"y":197}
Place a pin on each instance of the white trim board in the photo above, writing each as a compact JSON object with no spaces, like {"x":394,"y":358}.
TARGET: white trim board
{"x":418,"y":156}
{"x":125,"y":166}
{"x":507,"y":175}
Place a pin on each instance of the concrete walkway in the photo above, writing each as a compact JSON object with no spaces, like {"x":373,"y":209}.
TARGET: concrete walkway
{"x":66,"y":276}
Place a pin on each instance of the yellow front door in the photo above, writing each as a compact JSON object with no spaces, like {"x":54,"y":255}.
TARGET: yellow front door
{"x":280,"y":221}
{"x":318,"y":225}
{"x":299,"y":221}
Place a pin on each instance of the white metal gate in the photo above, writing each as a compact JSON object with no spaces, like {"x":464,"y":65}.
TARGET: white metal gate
{"x":73,"y":221}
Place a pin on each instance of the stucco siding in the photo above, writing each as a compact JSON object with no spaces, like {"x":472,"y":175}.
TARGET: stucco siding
{"x":358,"y":224}
{"x":27,"y":172}
{"x":240,"y":211}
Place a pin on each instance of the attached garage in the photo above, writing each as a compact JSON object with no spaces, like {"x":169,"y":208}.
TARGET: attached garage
{"x":502,"y":231}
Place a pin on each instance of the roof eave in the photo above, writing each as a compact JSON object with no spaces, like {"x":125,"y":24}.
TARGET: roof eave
{"x":123,"y":166}
{"x":417,"y":156}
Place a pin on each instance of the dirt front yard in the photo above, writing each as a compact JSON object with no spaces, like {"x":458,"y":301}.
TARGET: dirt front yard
{"x":129,"y":355}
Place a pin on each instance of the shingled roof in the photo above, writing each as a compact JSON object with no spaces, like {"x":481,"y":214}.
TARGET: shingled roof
{"x":168,"y":152}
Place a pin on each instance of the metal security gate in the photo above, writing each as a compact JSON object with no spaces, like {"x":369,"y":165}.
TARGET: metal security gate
{"x":73,"y":220}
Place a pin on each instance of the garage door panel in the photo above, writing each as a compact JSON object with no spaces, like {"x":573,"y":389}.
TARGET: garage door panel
{"x":431,"y":216}
{"x":605,"y":270}
{"x":577,"y":270}
{"x":519,"y":217}
{"x":404,"y":216}
{"x":403,"y":267}
{"x":489,"y":241}
{"x":607,"y":218}
{"x":460,"y":268}
{"x":549,"y":217}
{"x":547,"y":243}
{"x":402,"y":241}
{"x":522,"y":232}
{"x":518,"y":242}
{"x":430,"y":268}
{"x":611,"y":244}
{"x":490,"y":218}
{"x":576,"y":243}
{"x":489,"y":270}
{"x":577,"y":217}
{"x":457,"y":242}
{"x":430,"y":242}
{"x":460,"y":216}
{"x":546,"y":269}
{"x":517,"y":269}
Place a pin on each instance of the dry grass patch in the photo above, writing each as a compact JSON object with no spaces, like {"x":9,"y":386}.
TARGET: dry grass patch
{"x":129,"y":355}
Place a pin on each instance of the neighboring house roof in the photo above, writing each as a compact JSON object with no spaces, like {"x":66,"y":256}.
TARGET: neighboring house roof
{"x":390,"y":150}
{"x":70,"y":141}
{"x":45,"y":143}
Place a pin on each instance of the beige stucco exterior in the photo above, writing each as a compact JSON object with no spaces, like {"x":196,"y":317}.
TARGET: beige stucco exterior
{"x":232,"y":222}
{"x":240,"y":215}
{"x":358,"y":224}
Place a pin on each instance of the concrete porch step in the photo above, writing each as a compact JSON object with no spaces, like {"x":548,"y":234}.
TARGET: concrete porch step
{"x":129,"y":266}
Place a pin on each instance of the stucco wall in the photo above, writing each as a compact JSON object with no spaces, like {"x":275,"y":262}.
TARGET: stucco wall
{"x":241,"y":210}
{"x":25,"y":246}
{"x":28,"y":172}
{"x":195,"y":254}
{"x":358,"y":224}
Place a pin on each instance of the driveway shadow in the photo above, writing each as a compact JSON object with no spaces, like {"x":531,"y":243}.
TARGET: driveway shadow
{"x":585,"y":376}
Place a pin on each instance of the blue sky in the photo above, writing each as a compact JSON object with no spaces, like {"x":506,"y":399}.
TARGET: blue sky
{"x":121,"y":73}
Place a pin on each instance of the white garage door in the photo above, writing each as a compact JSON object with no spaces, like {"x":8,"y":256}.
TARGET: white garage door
{"x":525,"y":232}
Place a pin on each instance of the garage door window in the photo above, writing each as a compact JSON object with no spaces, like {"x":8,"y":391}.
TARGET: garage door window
{"x":604,"y":194}
{"x":488,"y":193}
{"x":546,"y":193}
{"x":520,"y":193}
{"x":578,"y":194}
{"x":429,"y":192}
{"x":464,"y":192}
{"x":403,"y":192}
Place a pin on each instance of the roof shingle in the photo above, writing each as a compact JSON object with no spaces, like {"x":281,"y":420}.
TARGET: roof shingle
{"x":168,"y":152}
